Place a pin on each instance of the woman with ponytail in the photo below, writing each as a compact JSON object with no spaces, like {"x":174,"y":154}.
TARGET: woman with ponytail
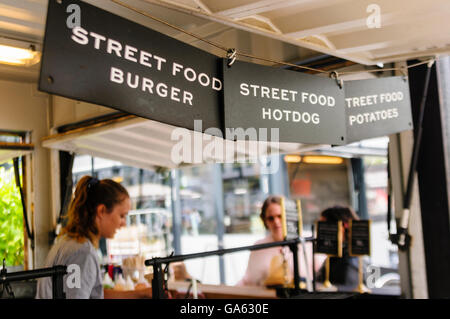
{"x":98,"y":209}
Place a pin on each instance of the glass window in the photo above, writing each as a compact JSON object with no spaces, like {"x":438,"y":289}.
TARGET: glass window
{"x":319,"y":185}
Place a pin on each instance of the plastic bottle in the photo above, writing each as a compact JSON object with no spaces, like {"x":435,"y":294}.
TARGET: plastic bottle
{"x":107,"y":282}
{"x":120,"y":283}
{"x":129,"y":285}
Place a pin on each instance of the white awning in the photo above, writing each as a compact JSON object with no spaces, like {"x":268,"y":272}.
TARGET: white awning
{"x":148,"y":144}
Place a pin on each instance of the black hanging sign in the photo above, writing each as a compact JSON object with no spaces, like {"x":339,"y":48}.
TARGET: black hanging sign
{"x":111,"y":61}
{"x":305,"y":108}
{"x":329,"y":238}
{"x":291,"y":216}
{"x":377,"y":107}
{"x":359,"y":237}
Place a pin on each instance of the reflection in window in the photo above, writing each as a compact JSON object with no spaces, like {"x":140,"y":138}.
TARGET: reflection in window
{"x":318,"y":186}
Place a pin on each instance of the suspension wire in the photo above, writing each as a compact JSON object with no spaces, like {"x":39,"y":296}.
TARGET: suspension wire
{"x":285,"y":63}
{"x":226,"y":50}
{"x":169,"y":24}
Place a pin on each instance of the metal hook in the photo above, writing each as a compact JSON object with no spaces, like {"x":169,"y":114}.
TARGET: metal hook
{"x":335,"y":75}
{"x":404,"y":72}
{"x":431,"y":62}
{"x":231,"y":56}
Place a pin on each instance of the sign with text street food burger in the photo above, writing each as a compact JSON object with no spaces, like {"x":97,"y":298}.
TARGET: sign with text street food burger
{"x":377,"y":107}
{"x":114,"y":62}
{"x":305,"y":108}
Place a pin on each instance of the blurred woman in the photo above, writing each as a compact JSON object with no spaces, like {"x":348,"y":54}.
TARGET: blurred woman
{"x":267,"y":266}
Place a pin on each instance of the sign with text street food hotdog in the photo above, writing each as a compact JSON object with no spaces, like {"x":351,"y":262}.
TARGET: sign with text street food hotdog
{"x":305,"y":108}
{"x":114,"y":62}
{"x":359,"y":243}
{"x":291,"y":218}
{"x":329,"y":238}
{"x":377,"y":107}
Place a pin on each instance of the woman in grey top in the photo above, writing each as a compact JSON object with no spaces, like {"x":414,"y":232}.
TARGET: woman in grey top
{"x":97,"y":210}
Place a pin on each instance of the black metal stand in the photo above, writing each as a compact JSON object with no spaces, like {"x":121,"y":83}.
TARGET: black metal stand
{"x":158,"y":279}
{"x":157,"y":282}
{"x":294,"y":249}
{"x":57,"y":273}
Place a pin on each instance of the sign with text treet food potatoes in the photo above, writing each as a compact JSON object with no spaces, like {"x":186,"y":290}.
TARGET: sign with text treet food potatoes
{"x":111,"y":61}
{"x":377,"y":107}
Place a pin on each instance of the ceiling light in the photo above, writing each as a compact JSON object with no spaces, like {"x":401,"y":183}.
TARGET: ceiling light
{"x":322,"y":160}
{"x":16,"y":52}
{"x":292,"y":158}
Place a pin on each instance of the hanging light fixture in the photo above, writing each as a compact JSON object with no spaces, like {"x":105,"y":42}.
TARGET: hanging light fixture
{"x":19,"y":53}
{"x":292,"y":158}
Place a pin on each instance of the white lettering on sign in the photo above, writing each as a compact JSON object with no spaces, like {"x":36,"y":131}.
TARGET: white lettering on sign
{"x":375,"y":116}
{"x":130,"y":53}
{"x":191,"y":75}
{"x":113,"y":47}
{"x":147,"y":85}
{"x":374,"y":99}
{"x":267,"y":92}
{"x":290,"y":116}
{"x":275,"y":93}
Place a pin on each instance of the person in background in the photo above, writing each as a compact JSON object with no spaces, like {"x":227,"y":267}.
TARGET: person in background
{"x":261,"y":263}
{"x":98,"y":209}
{"x":343,"y":271}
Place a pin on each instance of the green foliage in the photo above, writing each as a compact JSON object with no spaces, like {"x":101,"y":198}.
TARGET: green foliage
{"x":11,"y":220}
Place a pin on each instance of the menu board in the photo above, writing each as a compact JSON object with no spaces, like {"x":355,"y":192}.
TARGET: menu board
{"x":115,"y":62}
{"x":377,"y":107}
{"x":291,"y":216}
{"x":359,"y":238}
{"x":329,"y":238}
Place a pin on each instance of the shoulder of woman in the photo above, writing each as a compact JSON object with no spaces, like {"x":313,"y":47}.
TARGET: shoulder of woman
{"x":264,"y":240}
